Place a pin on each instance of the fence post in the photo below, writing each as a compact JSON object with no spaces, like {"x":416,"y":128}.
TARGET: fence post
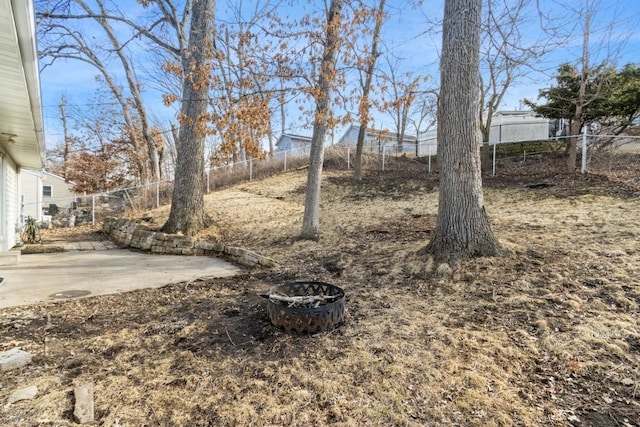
{"x":250,"y":169}
{"x":285,"y":161}
{"x":382,"y":159}
{"x":494,"y":159}
{"x":93,"y":209}
{"x":583,"y":168}
{"x":208,"y":173}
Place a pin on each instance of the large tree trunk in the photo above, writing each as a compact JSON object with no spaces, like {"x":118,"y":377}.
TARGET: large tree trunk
{"x":463,"y":229}
{"x":311,"y":219}
{"x":187,"y":213}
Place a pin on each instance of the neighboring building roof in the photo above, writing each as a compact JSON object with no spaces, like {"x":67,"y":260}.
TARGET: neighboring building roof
{"x":526,"y":113}
{"x":58,"y":177}
{"x":21,"y":123}
{"x":43,"y":173}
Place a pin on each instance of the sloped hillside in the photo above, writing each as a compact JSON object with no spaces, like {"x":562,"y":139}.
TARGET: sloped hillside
{"x":545,"y":336}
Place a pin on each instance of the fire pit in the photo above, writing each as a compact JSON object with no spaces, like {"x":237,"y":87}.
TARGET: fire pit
{"x":306,"y":307}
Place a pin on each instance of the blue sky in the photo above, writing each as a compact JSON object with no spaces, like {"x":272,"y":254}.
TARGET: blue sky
{"x":412,"y":32}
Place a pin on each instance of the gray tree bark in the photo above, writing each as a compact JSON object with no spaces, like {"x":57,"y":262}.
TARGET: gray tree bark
{"x":134,"y":88}
{"x":364,"y":103}
{"x":67,"y":139}
{"x":311,"y":219}
{"x":187,"y":213}
{"x":463,"y":229}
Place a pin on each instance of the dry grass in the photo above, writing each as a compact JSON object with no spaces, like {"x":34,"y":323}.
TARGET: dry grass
{"x":547,"y":335}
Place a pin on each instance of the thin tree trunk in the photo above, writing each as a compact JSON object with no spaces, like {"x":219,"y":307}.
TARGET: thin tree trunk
{"x":311,"y":219}
{"x":132,"y":82}
{"x":187,"y":213}
{"x":576,"y":122}
{"x":67,"y":140}
{"x":463,"y":229}
{"x":283,"y":116}
{"x":364,"y":104}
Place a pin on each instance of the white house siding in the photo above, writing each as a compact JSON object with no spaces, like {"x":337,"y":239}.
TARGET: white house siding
{"x":9,"y":220}
{"x":514,"y":128}
{"x":284,"y":144}
{"x":289,"y":146}
{"x":31,"y":195}
{"x":428,"y":143}
{"x":3,"y":196}
{"x":62,"y":194}
{"x":372,"y":142}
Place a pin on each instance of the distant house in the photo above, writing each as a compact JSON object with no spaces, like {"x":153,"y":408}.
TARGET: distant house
{"x":21,"y":134}
{"x":428,"y":143}
{"x":43,"y":193}
{"x":518,"y":126}
{"x":293,"y":145}
{"x":379,"y":140}
{"x":506,"y":127}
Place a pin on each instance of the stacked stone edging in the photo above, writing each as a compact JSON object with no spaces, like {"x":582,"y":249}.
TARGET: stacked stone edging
{"x":135,"y":234}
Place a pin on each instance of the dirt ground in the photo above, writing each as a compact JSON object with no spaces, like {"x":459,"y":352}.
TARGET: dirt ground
{"x":545,"y":336}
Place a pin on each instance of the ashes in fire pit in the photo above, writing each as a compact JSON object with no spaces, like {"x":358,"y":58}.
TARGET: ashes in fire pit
{"x":306,"y":307}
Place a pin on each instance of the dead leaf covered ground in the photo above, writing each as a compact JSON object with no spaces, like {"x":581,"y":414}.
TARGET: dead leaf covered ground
{"x":545,"y":336}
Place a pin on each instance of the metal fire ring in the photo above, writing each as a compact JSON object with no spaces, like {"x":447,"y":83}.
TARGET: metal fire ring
{"x":306,"y":320}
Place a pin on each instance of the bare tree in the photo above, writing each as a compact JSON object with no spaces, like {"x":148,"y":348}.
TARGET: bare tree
{"x":597,"y":55}
{"x":187,"y":213}
{"x":365,"y":104}
{"x":508,"y":54}
{"x":463,"y":228}
{"x":424,"y":114}
{"x":322,"y":95}
{"x":61,"y":41}
{"x":403,"y":87}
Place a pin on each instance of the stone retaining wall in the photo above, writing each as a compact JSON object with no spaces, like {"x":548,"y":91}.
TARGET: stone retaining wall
{"x":135,"y":234}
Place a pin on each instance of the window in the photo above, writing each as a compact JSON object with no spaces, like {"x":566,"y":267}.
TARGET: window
{"x":47,"y":191}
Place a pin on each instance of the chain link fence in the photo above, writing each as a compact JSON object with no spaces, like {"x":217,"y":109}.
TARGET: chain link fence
{"x":134,"y":201}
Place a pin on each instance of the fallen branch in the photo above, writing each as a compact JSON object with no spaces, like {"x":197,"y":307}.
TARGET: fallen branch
{"x":229,"y":336}
{"x":302,"y":300}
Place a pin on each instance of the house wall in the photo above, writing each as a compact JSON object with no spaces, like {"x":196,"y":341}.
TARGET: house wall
{"x":9,"y":203}
{"x":30,"y":195}
{"x":61,"y":192}
{"x":285,"y":143}
{"x":371,"y":143}
{"x":3,"y":246}
{"x":517,"y":129}
{"x":289,"y":147}
{"x":428,"y":143}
